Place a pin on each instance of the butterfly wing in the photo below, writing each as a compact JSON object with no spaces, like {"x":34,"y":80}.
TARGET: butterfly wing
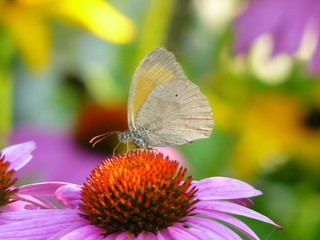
{"x":175,"y":113}
{"x":158,"y":67}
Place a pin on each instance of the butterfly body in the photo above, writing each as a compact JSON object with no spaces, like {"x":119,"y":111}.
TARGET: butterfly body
{"x":164,"y":107}
{"x":137,"y":137}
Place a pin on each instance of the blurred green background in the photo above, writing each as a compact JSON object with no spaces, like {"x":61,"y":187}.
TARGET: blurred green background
{"x":66,"y":68}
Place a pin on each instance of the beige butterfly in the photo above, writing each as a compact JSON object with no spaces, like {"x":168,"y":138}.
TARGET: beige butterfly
{"x":164,"y":107}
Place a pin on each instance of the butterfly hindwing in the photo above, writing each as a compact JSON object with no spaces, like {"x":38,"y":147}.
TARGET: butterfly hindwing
{"x":175,"y":113}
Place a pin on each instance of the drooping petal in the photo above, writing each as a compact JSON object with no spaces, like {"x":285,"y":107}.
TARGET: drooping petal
{"x":178,"y":231}
{"x":232,"y":208}
{"x":65,"y":231}
{"x":224,"y":188}
{"x":38,"y":224}
{"x":242,"y":201}
{"x":213,"y":226}
{"x":29,"y":202}
{"x":19,"y":155}
{"x":121,"y":236}
{"x":44,"y":188}
{"x":28,"y":196}
{"x":144,"y":236}
{"x":163,"y":234}
{"x":96,"y":15}
{"x":90,"y":232}
{"x":242,"y":227}
{"x":69,"y":195}
{"x":111,"y":237}
{"x":56,"y":214}
{"x":17,"y":206}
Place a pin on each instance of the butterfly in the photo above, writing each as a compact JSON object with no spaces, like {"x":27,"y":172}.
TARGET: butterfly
{"x":164,"y":107}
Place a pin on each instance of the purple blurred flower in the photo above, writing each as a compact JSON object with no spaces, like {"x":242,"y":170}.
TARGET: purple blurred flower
{"x":18,"y":155}
{"x":12,"y":159}
{"x":140,"y":195}
{"x":60,"y":158}
{"x":284,"y":20}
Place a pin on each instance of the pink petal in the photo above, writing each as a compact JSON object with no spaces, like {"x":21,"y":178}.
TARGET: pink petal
{"x":19,"y":155}
{"x":66,"y":230}
{"x":38,"y":224}
{"x":214,"y":188}
{"x":87,"y":232}
{"x":163,"y":234}
{"x":242,"y":201}
{"x":111,"y":237}
{"x":69,"y":195}
{"x":173,"y":154}
{"x":145,"y":236}
{"x":232,"y":208}
{"x":230,"y":220}
{"x":125,"y":236}
{"x":44,"y":214}
{"x":44,"y":188}
{"x":18,"y":206}
{"x":212,"y":226}
{"x":35,"y":201}
{"x":178,"y":231}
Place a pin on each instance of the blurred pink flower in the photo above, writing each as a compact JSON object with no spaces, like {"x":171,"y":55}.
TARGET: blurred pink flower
{"x":141,"y":195}
{"x":284,"y":20}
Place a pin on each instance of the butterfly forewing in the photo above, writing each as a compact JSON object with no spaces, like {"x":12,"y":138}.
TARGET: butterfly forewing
{"x":158,"y":67}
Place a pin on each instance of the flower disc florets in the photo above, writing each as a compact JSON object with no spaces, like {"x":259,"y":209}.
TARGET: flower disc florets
{"x":6,"y":182}
{"x":137,"y":192}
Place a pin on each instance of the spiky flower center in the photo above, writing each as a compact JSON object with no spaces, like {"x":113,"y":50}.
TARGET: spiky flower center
{"x":137,"y":192}
{"x":6,"y":182}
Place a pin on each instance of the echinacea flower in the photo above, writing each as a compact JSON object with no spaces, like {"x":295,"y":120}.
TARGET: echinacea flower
{"x":275,"y":17}
{"x":12,"y":198}
{"x":27,"y":23}
{"x":140,"y":195}
{"x":12,"y":159}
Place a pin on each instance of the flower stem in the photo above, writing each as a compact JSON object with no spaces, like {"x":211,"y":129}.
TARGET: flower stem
{"x":155,"y":26}
{"x":6,"y":88}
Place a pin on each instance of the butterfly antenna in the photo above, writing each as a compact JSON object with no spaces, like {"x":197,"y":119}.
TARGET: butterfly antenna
{"x":101,"y":137}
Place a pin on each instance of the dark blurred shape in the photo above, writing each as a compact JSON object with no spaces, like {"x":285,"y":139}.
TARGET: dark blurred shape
{"x":95,"y":119}
{"x":312,"y":120}
{"x":75,"y":82}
